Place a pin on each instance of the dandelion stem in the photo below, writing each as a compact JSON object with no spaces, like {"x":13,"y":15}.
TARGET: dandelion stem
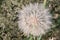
{"x":34,"y":38}
{"x":39,"y":38}
{"x":31,"y":38}
{"x":45,"y":3}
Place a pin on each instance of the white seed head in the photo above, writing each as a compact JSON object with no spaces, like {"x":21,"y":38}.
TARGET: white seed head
{"x":34,"y":19}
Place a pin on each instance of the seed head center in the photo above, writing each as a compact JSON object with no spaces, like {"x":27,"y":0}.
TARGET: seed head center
{"x":33,"y":20}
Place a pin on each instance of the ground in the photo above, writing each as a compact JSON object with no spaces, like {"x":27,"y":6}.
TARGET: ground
{"x":8,"y":21}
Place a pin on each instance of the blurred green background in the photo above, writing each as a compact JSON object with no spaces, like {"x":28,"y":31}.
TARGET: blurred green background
{"x":8,"y":19}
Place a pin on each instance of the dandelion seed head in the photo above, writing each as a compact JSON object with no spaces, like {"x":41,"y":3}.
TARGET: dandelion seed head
{"x":34,"y":19}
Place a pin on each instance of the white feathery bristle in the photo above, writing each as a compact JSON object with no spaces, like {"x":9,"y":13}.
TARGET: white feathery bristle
{"x":34,"y":19}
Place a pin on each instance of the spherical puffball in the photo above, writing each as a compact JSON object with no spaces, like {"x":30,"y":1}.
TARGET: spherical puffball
{"x":34,"y":19}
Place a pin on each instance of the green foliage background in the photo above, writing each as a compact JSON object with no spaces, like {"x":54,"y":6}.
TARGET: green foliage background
{"x":8,"y":19}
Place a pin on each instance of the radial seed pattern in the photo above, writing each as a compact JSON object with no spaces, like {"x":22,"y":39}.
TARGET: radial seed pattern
{"x":34,"y":19}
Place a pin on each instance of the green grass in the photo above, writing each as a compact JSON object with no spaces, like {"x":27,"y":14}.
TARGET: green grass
{"x":8,"y":20}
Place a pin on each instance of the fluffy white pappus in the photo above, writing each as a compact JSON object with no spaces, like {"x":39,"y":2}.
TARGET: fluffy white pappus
{"x":34,"y":19}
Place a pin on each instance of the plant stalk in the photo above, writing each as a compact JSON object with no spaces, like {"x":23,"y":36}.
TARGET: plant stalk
{"x":45,"y":1}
